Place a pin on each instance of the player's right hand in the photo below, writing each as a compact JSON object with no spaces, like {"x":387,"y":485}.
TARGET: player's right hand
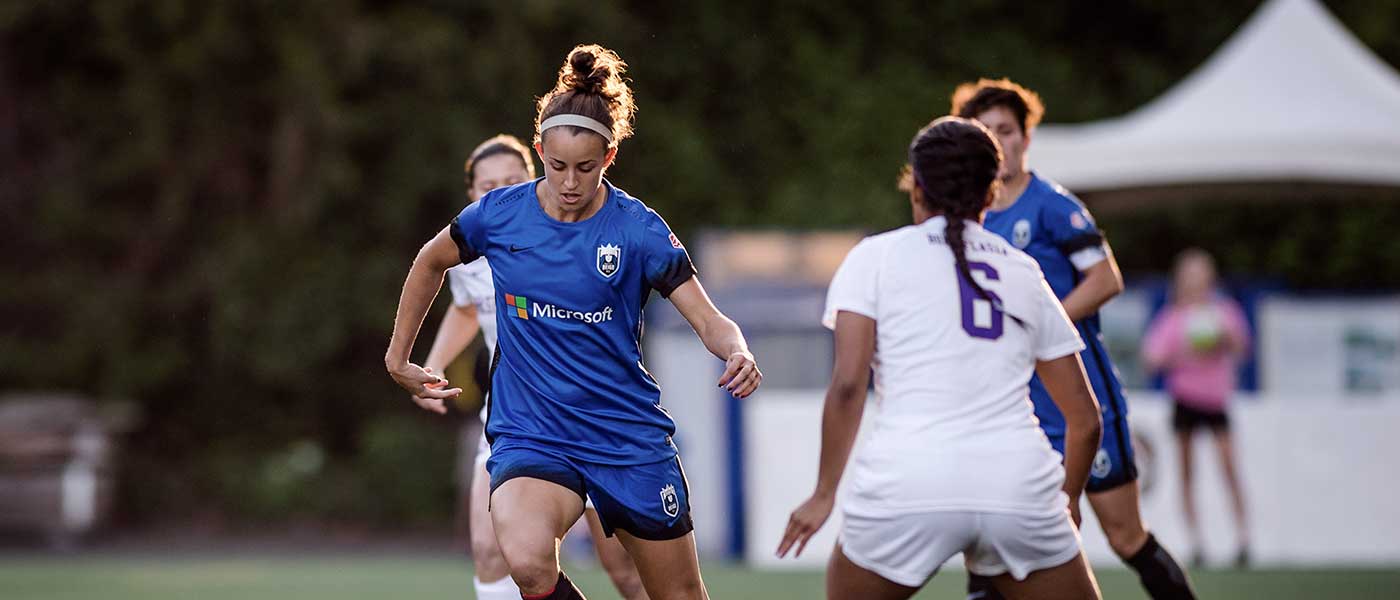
{"x":804,"y":523}
{"x":429,"y":391}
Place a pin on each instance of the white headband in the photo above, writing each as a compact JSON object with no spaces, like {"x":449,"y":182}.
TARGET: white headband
{"x":588,"y":123}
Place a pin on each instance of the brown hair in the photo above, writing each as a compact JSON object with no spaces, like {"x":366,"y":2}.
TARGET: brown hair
{"x":499,"y":144}
{"x":972,"y":99}
{"x":591,"y":84}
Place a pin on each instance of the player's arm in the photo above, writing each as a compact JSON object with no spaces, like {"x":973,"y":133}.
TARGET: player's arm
{"x":1101,"y":282}
{"x":720,"y":335}
{"x":1064,"y":378}
{"x":419,"y":290}
{"x":458,"y":328}
{"x":845,"y":403}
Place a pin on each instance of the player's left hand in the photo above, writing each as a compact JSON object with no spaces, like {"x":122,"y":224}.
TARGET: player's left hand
{"x":804,"y":523}
{"x":741,"y":375}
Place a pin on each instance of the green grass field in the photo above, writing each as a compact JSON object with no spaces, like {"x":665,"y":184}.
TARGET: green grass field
{"x":351,"y":578}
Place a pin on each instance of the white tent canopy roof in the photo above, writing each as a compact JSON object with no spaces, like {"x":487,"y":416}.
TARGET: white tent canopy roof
{"x":1292,"y":96}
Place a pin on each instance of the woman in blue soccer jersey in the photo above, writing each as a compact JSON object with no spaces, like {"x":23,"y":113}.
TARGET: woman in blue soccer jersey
{"x":498,"y":162}
{"x":572,"y":412}
{"x":1053,"y":227}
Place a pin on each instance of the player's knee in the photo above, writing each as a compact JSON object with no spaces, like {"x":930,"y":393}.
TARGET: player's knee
{"x":490,"y":565}
{"x":1126,"y":538}
{"x":532,"y":565}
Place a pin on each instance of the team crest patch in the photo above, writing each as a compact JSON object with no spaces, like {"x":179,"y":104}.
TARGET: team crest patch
{"x":669,"y":502}
{"x":1077,"y":220}
{"x":609,"y":257}
{"x":1021,"y":234}
{"x":1102,"y":465}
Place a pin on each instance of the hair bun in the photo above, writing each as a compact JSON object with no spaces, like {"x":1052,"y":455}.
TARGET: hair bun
{"x":587,"y":73}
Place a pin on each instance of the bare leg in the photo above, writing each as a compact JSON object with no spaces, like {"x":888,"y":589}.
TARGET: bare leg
{"x":846,"y":580}
{"x":531,"y":517}
{"x":621,"y":570}
{"x":486,"y":555}
{"x":1188,"y":504}
{"x":1160,"y":574}
{"x":1224,"y":445}
{"x":1118,"y":514}
{"x":1070,"y":581}
{"x":670,"y":569}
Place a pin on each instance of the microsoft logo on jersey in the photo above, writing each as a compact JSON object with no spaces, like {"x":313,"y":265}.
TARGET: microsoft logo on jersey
{"x":520,"y":304}
{"x":524,"y":309}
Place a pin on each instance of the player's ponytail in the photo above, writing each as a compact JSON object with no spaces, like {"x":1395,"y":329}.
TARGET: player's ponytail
{"x":591,"y":84}
{"x":954,"y":162}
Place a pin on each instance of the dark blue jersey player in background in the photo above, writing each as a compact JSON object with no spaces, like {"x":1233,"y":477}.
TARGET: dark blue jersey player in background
{"x":1048,"y":223}
{"x":572,"y":413}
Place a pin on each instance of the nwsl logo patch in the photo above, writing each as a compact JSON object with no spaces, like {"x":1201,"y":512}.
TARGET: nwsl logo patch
{"x":609,"y":259}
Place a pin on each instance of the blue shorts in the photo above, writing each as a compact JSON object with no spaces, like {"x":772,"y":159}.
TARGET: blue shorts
{"x":1114,"y":464}
{"x":650,"y":501}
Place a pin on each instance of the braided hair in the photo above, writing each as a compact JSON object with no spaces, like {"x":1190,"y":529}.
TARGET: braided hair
{"x":954,"y":162}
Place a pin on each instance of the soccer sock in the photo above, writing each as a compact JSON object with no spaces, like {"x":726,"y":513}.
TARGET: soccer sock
{"x":980,"y":587}
{"x":1161,"y":576}
{"x":563,"y":590}
{"x":501,"y":589}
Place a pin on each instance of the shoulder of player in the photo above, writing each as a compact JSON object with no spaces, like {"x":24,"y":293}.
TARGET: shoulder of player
{"x":1053,"y":195}
{"x":988,"y":241}
{"x":876,"y":246}
{"x":637,"y":212}
{"x":503,"y":200}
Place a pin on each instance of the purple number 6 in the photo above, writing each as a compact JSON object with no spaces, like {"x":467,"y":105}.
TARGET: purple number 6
{"x":970,"y":299}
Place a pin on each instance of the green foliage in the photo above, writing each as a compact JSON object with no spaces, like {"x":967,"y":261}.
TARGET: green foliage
{"x":209,"y":206}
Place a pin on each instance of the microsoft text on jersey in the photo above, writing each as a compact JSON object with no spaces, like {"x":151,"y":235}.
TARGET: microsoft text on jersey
{"x":525,"y":309}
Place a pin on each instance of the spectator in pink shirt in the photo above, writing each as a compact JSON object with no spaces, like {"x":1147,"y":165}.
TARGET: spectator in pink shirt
{"x":1197,"y":341}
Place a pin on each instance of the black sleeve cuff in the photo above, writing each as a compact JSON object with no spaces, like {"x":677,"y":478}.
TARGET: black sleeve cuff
{"x":678,"y":274}
{"x":1080,"y":242}
{"x":465,"y":253}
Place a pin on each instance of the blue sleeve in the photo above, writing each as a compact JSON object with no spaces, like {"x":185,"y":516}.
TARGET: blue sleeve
{"x":667,"y":263}
{"x":467,"y":231}
{"x":1069,"y":225}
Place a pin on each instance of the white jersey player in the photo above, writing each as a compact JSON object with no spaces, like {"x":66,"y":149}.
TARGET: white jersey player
{"x":954,"y":320}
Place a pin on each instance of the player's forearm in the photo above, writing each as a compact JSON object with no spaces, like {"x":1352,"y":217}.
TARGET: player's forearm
{"x":845,"y":402}
{"x":1101,"y":283}
{"x":419,"y":289}
{"x":457,"y":330}
{"x":722,"y":336}
{"x":1081,"y":443}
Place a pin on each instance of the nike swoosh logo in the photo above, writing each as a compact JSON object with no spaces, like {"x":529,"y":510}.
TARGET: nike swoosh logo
{"x":514,"y":248}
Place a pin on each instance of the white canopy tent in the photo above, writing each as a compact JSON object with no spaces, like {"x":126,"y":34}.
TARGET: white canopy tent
{"x":1292,"y":96}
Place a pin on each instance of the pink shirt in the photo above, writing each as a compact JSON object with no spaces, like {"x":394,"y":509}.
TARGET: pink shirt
{"x":1199,"y":347}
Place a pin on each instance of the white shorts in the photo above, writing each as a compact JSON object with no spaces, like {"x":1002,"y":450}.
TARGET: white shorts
{"x":908,"y":549}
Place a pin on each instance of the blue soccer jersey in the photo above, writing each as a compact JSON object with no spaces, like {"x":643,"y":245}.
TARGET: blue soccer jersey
{"x":568,"y":377}
{"x":1051,"y":225}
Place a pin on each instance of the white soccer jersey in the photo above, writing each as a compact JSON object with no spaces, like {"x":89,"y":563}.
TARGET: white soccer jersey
{"x":953,"y":424}
{"x":471,"y":286}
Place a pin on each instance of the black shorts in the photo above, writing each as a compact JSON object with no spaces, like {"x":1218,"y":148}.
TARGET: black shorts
{"x":1188,"y":419}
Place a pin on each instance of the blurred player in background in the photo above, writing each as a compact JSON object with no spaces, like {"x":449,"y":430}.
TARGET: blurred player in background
{"x":1045,"y":221}
{"x":956,"y":462}
{"x":1198,"y":340}
{"x":498,"y":162}
{"x":572,"y":412}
